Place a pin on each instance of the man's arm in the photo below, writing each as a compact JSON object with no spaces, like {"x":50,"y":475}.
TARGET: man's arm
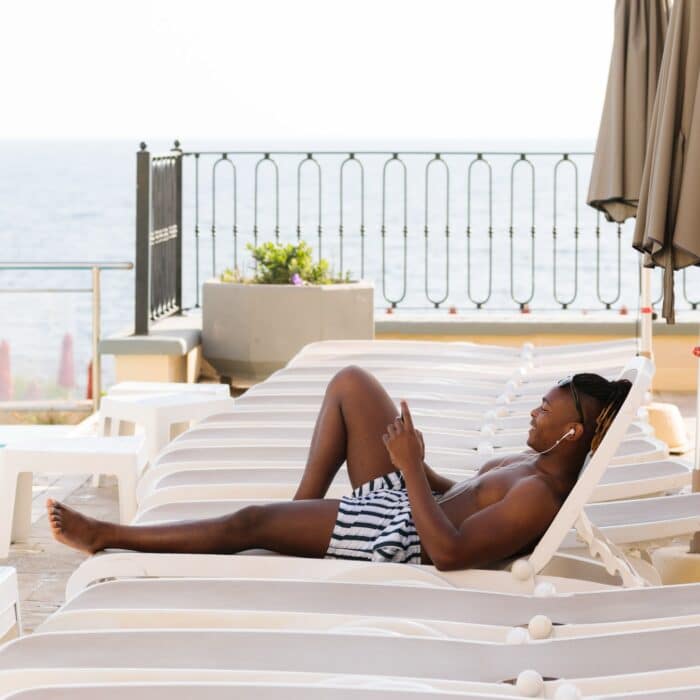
{"x":437,"y":482}
{"x":494,"y":533}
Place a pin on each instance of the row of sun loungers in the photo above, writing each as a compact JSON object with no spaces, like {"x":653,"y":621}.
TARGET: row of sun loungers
{"x":576,"y":618}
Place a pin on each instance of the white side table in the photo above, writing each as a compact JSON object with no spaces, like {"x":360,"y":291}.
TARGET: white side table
{"x":125,"y":457}
{"x":156,"y":414}
{"x":221,"y":390}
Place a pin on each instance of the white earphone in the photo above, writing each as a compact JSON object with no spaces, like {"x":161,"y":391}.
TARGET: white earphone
{"x":570,"y":431}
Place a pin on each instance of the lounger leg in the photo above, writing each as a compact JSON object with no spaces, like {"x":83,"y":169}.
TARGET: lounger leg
{"x":22,"y":518}
{"x":126,"y":484}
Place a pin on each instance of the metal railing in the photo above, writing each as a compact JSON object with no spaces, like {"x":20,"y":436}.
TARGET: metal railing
{"x":95,"y":269}
{"x":158,"y":237}
{"x":370,"y":210}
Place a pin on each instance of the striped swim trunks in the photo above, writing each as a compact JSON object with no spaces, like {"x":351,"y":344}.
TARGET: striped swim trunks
{"x":375,"y":524}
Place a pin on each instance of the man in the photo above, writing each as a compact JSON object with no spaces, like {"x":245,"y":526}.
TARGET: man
{"x":400,"y":509}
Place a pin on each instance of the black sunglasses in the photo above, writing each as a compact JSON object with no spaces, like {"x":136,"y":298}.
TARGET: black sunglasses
{"x":569,"y":381}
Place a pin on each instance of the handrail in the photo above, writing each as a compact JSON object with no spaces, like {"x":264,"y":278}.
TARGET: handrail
{"x":95,"y":267}
{"x":66,"y":265}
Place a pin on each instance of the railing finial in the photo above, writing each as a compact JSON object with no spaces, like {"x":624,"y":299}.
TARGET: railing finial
{"x":143,"y":146}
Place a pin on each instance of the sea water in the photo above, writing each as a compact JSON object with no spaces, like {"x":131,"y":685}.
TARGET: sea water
{"x":75,"y":201}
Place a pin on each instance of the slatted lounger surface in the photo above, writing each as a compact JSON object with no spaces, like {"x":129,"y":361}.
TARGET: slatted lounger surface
{"x":444,"y":459}
{"x":632,"y":660}
{"x":493,"y":354}
{"x":263,"y":690}
{"x":424,"y":420}
{"x":407,"y":610}
{"x":333,"y":689}
{"x":248,"y":481}
{"x":262,"y":433}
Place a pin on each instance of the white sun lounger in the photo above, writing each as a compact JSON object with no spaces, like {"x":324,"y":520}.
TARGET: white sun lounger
{"x":620,"y":662}
{"x":524,"y":572}
{"x":389,"y":609}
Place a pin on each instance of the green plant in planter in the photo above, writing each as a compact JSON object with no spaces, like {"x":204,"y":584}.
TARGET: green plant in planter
{"x":279,"y":263}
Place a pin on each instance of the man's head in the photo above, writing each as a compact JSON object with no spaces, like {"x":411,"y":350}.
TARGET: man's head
{"x":578,"y":409}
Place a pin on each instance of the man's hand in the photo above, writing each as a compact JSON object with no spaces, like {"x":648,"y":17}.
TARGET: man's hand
{"x":404,"y":443}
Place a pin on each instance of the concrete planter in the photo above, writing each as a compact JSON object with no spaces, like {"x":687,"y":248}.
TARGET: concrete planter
{"x":251,"y":330}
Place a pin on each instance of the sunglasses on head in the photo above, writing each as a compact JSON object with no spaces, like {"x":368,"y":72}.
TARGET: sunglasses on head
{"x":569,"y":381}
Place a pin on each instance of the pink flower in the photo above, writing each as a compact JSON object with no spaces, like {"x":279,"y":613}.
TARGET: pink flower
{"x":296,"y":279}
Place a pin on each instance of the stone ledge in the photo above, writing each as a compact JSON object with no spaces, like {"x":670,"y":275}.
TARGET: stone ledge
{"x":519,"y":324}
{"x":175,"y":335}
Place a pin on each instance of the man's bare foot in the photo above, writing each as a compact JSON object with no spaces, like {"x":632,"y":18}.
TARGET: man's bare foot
{"x":76,"y":530}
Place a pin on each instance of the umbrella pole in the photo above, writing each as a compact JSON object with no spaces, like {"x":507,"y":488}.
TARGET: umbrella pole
{"x":695,"y":541}
{"x":646,"y":342}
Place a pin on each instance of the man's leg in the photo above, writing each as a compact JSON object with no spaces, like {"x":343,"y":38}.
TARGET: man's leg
{"x":297,"y":528}
{"x":353,"y":417}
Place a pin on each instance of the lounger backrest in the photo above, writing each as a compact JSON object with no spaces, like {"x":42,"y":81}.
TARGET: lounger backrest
{"x":639,"y":371}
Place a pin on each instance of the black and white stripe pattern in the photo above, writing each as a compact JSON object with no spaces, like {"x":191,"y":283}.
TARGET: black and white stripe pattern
{"x":375,"y":524}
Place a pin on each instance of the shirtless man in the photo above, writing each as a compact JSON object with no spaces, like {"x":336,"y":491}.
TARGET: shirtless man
{"x":400,"y":510}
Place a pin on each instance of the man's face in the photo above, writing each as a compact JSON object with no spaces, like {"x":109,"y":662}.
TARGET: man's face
{"x":552,"y":418}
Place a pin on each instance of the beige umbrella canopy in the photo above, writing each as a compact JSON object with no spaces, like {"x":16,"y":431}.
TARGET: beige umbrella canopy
{"x":640,"y":30}
{"x":668,"y":217}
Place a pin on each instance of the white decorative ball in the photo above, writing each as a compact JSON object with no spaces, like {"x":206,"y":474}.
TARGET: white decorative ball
{"x":517,"y":635}
{"x":545,"y":589}
{"x":488,"y":430}
{"x":529,"y":683}
{"x":489,"y":416}
{"x":501,"y":412}
{"x":522,"y":570}
{"x":529,"y":346}
{"x":567,"y":691}
{"x":511,"y":386}
{"x":540,"y":627}
{"x":503,"y":399}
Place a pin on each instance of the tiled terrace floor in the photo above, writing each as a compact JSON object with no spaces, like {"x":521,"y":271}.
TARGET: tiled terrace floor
{"x":44,"y":566}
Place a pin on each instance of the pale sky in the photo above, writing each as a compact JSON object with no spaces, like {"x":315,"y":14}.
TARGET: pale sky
{"x":303,"y":69}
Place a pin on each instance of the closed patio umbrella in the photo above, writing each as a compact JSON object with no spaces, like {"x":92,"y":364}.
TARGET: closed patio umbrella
{"x":638,"y":41}
{"x":668,"y":217}
{"x":618,"y":164}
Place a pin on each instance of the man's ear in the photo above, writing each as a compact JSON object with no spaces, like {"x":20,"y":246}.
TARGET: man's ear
{"x":578,"y":431}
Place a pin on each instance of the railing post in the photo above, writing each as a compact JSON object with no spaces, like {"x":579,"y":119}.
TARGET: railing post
{"x":142,"y":296}
{"x":178,"y":222}
{"x":96,"y":332}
